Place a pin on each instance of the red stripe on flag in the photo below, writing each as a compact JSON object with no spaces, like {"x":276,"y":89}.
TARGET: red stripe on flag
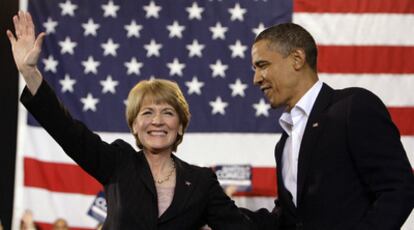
{"x":263,"y":183}
{"x":365,"y":59}
{"x":354,"y":6}
{"x":70,"y":178}
{"x":403,"y":117}
{"x":59,"y":177}
{"x":46,"y":226}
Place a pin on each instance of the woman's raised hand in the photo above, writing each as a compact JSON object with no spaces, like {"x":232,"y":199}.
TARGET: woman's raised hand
{"x":26,"y":48}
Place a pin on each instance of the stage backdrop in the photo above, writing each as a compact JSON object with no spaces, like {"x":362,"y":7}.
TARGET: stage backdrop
{"x":95,"y":51}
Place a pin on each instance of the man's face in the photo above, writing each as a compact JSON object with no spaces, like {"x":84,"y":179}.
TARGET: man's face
{"x":275,"y":75}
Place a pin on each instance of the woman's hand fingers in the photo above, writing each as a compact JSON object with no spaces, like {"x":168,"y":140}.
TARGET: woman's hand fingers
{"x":29,"y":21}
{"x":16,"y":25}
{"x":25,"y":46}
{"x":23,"y":25}
{"x":11,"y":37}
{"x":33,"y":56}
{"x":26,"y":49}
{"x":39,"y":40}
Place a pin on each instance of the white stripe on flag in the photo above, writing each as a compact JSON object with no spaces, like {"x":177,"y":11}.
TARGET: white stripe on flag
{"x":49,"y":206}
{"x":358,"y":29}
{"x":255,"y":202}
{"x":383,"y":85}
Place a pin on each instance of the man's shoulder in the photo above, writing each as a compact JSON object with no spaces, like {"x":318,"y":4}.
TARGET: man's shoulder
{"x":354,"y":93}
{"x":350,"y":91}
{"x":355,"y":98}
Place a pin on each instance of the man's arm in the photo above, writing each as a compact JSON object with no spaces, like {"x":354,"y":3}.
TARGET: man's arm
{"x":262,"y":218}
{"x":381,"y":162}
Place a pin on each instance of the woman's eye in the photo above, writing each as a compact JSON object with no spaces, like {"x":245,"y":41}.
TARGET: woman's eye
{"x":169,"y":113}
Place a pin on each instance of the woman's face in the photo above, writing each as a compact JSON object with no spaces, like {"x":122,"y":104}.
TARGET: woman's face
{"x":157,"y":126}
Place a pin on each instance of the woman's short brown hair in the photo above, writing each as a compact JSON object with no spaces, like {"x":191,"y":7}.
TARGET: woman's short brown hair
{"x":159,"y":91}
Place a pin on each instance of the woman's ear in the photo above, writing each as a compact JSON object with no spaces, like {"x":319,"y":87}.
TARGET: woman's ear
{"x":134,"y":130}
{"x":180,"y":130}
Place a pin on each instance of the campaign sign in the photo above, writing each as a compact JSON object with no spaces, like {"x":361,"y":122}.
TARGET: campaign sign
{"x":98,"y":208}
{"x":239,"y":176}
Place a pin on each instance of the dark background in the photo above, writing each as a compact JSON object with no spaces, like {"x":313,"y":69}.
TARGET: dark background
{"x":8,"y":113}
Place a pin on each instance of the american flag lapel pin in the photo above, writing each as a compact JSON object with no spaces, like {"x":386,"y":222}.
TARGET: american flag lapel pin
{"x":316,"y":124}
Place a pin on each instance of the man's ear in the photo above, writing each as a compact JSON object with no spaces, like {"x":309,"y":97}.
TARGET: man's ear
{"x":299,"y":58}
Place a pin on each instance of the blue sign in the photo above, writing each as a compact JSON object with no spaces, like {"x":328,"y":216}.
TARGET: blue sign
{"x":239,"y":176}
{"x":98,"y":208}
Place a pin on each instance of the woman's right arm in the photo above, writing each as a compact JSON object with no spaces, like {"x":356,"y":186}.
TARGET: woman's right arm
{"x":26,"y":49}
{"x":86,"y":148}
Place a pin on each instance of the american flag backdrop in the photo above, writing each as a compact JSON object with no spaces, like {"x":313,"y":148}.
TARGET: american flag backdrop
{"x":97,"y":50}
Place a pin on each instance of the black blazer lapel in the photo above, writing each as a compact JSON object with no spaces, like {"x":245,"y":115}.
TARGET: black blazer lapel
{"x":314,"y":127}
{"x":279,"y":151}
{"x":145,"y":173}
{"x":147,"y":198}
{"x":184,"y":187}
{"x":283,"y":194}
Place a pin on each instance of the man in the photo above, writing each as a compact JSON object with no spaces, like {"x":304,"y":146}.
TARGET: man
{"x":340,"y":162}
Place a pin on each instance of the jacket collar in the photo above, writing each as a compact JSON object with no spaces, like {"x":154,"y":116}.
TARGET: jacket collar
{"x":186,"y":181}
{"x":313,"y":129}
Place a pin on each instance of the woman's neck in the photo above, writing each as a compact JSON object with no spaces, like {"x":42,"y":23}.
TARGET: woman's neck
{"x":159,"y":163}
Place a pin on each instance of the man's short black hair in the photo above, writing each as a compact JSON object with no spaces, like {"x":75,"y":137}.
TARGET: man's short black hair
{"x":287,"y":37}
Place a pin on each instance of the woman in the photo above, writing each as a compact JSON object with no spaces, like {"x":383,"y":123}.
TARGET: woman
{"x":150,"y":189}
